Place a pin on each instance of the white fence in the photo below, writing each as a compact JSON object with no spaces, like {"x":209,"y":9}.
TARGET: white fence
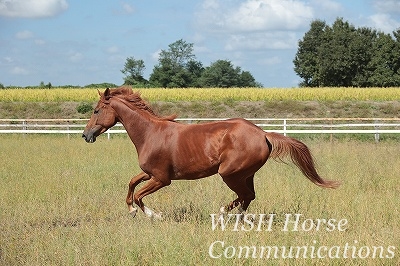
{"x":373,"y":126}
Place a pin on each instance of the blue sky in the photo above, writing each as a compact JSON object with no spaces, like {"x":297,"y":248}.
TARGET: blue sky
{"x":82,"y":42}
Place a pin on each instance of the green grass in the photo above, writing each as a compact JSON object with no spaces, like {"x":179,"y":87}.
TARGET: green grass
{"x":63,"y":203}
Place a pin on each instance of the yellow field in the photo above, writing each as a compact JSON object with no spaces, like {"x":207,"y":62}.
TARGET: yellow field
{"x":210,"y":94}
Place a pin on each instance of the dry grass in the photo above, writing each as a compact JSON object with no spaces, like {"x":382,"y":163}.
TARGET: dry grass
{"x":62,"y":203}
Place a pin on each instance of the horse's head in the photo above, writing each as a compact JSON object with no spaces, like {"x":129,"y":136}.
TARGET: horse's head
{"x":103,"y":118}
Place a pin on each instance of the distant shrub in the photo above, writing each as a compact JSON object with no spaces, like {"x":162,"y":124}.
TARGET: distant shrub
{"x":84,"y":107}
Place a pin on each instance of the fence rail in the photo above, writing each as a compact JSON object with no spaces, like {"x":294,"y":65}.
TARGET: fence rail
{"x":375,"y":126}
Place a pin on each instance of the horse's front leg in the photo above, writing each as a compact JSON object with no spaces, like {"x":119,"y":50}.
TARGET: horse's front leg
{"x":151,"y":186}
{"x":132,"y":185}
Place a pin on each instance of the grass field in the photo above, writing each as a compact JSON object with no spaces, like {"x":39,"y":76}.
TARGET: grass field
{"x":210,"y":94}
{"x":62,"y":203}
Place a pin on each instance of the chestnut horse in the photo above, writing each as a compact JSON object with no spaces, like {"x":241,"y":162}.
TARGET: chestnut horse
{"x":168,"y":150}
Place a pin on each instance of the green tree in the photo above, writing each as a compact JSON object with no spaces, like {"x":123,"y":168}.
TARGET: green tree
{"x":342,"y":55}
{"x":336,"y":53}
{"x":177,"y":67}
{"x":133,"y":71}
{"x":384,"y":64}
{"x":223,"y":74}
{"x":220,"y":74}
{"x":306,"y":62}
{"x":101,"y":85}
{"x":246,"y":79}
{"x":195,"y":69}
{"x":365,"y":43}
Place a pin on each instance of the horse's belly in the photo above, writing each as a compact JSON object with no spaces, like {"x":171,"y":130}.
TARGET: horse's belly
{"x":195,"y":169}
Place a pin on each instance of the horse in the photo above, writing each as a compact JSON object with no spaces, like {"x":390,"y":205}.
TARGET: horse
{"x":168,"y":150}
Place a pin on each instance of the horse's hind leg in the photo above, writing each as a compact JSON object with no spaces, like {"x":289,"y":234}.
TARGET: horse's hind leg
{"x":132,"y":185}
{"x":244,"y":189}
{"x":252,"y":193}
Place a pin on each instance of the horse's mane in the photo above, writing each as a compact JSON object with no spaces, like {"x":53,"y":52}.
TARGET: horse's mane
{"x":126,"y":93}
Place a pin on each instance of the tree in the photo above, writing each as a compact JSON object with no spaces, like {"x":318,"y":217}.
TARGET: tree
{"x":342,"y":55}
{"x":337,"y":55}
{"x":45,"y":86}
{"x":246,"y":79}
{"x":178,"y":55}
{"x":365,"y":40}
{"x":220,"y":74}
{"x":195,"y":69}
{"x":384,"y":63}
{"x":177,"y":67}
{"x":133,"y":71}
{"x":223,"y":74}
{"x":306,"y":61}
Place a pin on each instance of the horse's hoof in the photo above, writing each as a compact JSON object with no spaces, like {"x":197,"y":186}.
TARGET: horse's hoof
{"x":157,"y":216}
{"x":133,"y":212}
{"x":223,"y":210}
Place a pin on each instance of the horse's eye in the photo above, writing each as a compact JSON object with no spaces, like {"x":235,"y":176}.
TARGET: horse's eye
{"x":96,"y":111}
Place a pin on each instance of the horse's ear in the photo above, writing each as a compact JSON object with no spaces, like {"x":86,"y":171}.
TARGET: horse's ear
{"x":107,"y":94}
{"x":100,"y":94}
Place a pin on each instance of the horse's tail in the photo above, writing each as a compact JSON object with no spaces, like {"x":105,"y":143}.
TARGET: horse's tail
{"x":283,"y":146}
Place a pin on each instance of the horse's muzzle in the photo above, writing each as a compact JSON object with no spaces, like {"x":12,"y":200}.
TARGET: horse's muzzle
{"x":90,"y":133}
{"x":89,"y":138}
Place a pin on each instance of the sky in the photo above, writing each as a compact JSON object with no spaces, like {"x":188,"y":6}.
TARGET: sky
{"x":75,"y":42}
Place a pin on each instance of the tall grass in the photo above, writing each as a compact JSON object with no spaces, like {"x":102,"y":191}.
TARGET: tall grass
{"x":210,"y":94}
{"x":62,"y":203}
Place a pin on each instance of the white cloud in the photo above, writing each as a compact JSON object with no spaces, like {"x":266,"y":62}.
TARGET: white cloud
{"x":40,"y":42}
{"x":128,"y":9}
{"x":387,"y":6}
{"x":23,"y":35}
{"x":123,"y":8}
{"x":32,"y":8}
{"x":275,"y":60}
{"x":256,"y":15}
{"x":8,"y":59}
{"x":253,"y":15}
{"x":327,"y":6}
{"x":384,"y":22}
{"x":75,"y":57}
{"x":262,"y":41}
{"x":254,"y":24}
{"x":156,"y":55}
{"x":112,"y":49}
{"x":19,"y":71}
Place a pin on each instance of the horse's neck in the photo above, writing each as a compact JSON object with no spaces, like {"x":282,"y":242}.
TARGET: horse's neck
{"x":137,"y":123}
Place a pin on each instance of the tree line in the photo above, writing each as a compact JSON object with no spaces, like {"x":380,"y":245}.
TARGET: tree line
{"x":178,"y":68}
{"x":343,"y":55}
